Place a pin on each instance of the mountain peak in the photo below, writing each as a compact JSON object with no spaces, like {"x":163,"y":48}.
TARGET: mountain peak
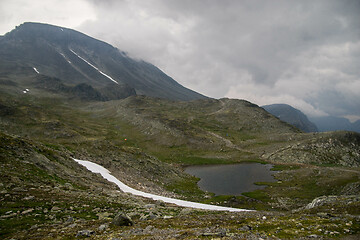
{"x":76,"y":58}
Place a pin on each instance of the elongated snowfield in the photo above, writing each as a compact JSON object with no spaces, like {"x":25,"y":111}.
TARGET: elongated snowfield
{"x":93,"y":66}
{"x":95,"y":168}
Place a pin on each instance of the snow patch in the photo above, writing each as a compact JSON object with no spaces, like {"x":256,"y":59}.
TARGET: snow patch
{"x":36,"y":70}
{"x":95,"y":168}
{"x":65,"y":57}
{"x":94,"y":67}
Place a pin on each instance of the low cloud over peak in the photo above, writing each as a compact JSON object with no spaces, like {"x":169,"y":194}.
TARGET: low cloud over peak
{"x":303,"y":53}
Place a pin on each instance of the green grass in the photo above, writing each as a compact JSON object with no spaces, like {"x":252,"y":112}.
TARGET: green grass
{"x":258,"y":195}
{"x":283,"y":167}
{"x":187,"y":188}
{"x":192,"y":160}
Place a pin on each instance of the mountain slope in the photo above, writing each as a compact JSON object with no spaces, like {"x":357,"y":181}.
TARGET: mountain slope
{"x":76,"y":58}
{"x":292,"y":116}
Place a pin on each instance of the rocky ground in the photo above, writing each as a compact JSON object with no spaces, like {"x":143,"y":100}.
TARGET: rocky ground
{"x":65,"y":213}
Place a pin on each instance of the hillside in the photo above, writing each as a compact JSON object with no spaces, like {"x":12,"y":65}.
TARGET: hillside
{"x":75,"y":58}
{"x":292,"y":116}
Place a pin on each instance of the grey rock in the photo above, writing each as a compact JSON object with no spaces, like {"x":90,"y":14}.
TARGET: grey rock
{"x":85,"y":233}
{"x":321,"y":201}
{"x":313,"y":236}
{"x":19,"y":189}
{"x":72,"y":225}
{"x":68,"y":186}
{"x":28,"y":198}
{"x":103,"y":227}
{"x":69,"y":220}
{"x":150,"y":206}
{"x":245,"y":228}
{"x":323,"y":215}
{"x":149,"y":216}
{"x":121,"y":219}
{"x":34,"y":227}
{"x":152,"y":216}
{"x":27,"y":211}
{"x":148,"y":229}
{"x":9,"y":216}
{"x":55,"y":209}
{"x":185,"y":211}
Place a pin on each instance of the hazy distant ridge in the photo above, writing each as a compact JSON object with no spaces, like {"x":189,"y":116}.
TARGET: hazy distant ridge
{"x":292,"y":116}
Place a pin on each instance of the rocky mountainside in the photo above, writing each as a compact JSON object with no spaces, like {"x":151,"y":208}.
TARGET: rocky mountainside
{"x":292,"y":116}
{"x":75,"y":58}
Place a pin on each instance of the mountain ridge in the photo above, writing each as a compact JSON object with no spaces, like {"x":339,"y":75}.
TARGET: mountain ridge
{"x":76,"y":58}
{"x":292,"y":116}
{"x":331,"y":123}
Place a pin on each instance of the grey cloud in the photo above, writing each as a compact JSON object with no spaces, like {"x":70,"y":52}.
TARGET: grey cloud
{"x":304,"y":53}
{"x":232,"y":47}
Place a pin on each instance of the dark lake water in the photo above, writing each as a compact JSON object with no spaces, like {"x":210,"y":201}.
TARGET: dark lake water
{"x":233,"y":179}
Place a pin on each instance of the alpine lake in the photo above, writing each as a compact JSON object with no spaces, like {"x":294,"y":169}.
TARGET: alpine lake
{"x":232,"y":179}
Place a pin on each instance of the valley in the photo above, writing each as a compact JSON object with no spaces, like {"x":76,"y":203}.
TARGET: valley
{"x":145,"y":142}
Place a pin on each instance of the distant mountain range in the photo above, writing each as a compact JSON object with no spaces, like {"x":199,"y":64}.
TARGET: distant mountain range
{"x":292,"y":116}
{"x":330,"y":123}
{"x":298,"y":119}
{"x":77,"y":63}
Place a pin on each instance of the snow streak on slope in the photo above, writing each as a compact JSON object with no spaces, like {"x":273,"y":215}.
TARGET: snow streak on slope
{"x":65,"y":58}
{"x":36,"y":70}
{"x":94,"y":67}
{"x":95,"y":168}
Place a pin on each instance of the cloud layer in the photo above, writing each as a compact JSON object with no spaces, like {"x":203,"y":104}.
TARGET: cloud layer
{"x":304,"y":53}
{"x":67,"y":13}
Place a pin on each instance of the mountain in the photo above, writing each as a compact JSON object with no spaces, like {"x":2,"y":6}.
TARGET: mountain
{"x":292,"y":116}
{"x":331,"y":123}
{"x":75,"y":58}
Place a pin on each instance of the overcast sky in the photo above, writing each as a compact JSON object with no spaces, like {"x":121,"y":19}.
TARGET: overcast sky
{"x":303,"y":53}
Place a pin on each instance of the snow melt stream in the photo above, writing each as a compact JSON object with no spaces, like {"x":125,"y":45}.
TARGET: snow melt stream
{"x":95,"y":168}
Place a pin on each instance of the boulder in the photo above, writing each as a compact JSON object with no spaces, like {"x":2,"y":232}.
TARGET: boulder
{"x":121,"y":219}
{"x":85,"y":233}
